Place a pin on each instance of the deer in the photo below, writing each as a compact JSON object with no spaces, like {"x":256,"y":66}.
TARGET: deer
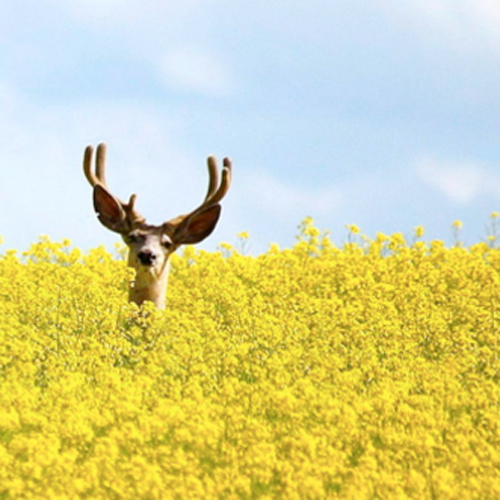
{"x":150,"y":246}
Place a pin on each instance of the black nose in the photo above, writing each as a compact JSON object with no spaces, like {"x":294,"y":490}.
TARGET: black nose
{"x":147,"y":257}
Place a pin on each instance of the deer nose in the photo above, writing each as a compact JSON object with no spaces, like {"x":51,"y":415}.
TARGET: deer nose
{"x":147,"y":257}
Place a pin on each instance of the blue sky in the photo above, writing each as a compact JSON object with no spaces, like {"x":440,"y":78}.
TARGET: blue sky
{"x":381,"y":113}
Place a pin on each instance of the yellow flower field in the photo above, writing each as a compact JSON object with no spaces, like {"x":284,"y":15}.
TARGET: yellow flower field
{"x":369,"y":371}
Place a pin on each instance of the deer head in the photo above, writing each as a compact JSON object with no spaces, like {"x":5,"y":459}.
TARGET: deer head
{"x":151,"y":246}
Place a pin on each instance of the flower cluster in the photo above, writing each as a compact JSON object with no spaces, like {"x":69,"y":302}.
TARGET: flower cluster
{"x":366,"y":371}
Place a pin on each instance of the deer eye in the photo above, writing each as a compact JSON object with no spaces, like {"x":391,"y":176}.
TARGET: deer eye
{"x":166,"y":242}
{"x":133,"y":238}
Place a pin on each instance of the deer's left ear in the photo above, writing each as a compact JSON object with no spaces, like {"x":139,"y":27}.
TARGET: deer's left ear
{"x":109,"y":211}
{"x":197,"y":226}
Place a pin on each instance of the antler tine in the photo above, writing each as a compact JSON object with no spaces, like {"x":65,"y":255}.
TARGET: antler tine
{"x":87,"y":166}
{"x":213,"y":173}
{"x":218,"y":194}
{"x":98,"y":177}
{"x":100,"y":163}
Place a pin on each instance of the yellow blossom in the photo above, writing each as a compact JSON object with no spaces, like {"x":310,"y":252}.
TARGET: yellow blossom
{"x":365,"y":371}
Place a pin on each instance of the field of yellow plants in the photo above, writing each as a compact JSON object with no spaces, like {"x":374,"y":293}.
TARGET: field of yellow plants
{"x":366,"y":371}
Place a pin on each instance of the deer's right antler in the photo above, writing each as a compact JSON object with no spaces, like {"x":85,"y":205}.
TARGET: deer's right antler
{"x":200,"y":222}
{"x":217,"y":188}
{"x":124,"y":214}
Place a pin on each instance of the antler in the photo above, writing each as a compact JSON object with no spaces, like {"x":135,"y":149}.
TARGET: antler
{"x":214,"y":194}
{"x":217,"y":188}
{"x":97,"y":180}
{"x":100,"y":164}
{"x":121,"y":217}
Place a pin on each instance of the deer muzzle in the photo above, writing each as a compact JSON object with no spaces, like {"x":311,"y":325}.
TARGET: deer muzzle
{"x":147,"y":257}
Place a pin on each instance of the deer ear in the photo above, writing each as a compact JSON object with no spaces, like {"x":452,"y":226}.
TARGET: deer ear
{"x":109,"y":210}
{"x":197,"y":226}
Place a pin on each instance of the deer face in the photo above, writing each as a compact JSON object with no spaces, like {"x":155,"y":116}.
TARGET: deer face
{"x":149,"y":247}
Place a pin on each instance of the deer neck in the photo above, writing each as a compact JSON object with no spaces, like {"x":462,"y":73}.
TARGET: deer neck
{"x":150,"y":284}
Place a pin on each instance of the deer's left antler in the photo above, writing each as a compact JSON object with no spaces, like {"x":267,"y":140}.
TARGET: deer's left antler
{"x":97,"y":180}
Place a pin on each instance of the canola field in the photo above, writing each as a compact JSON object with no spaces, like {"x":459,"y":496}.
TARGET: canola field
{"x":366,"y":371}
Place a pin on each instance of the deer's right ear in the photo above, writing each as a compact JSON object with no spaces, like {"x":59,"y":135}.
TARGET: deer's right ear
{"x":109,"y":210}
{"x":196,"y":227}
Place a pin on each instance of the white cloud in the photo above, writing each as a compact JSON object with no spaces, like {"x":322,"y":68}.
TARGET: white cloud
{"x":460,"y":182}
{"x":194,"y":70}
{"x":98,"y":12}
{"x":287,"y":202}
{"x":120,"y":11}
{"x":467,"y":24}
